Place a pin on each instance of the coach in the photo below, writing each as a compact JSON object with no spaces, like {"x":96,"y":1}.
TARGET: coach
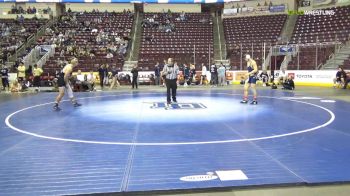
{"x":170,"y":72}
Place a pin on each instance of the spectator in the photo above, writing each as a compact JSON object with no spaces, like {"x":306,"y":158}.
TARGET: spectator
{"x":101,"y":73}
{"x":347,"y":80}
{"x":21,"y":72}
{"x":265,"y":78}
{"x":109,"y":55}
{"x":114,"y":75}
{"x":221,"y":74}
{"x":80,"y":81}
{"x":203,"y":74}
{"x":37,"y":71}
{"x":186,"y":73}
{"x":340,"y":78}
{"x":91,"y":81}
{"x":157,"y":74}
{"x":4,"y":77}
{"x":289,"y":83}
{"x":135,"y":75}
{"x":214,"y":75}
{"x":15,"y":87}
{"x":193,"y":74}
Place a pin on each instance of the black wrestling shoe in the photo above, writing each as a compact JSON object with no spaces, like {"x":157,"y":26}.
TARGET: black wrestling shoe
{"x":56,"y":108}
{"x":76,"y":104}
{"x":244,"y":101}
{"x":254,"y":102}
{"x":174,"y":101}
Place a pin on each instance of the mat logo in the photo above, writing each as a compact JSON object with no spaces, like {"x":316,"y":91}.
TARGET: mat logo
{"x":198,"y":178}
{"x":178,"y":106}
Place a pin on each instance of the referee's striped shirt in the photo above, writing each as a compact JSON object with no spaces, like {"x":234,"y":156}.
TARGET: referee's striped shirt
{"x":170,"y":72}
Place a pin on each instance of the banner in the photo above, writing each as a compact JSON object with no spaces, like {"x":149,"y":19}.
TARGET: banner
{"x":277,"y":8}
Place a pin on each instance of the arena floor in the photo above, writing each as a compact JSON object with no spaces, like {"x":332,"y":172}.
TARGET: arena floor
{"x":127,"y":141}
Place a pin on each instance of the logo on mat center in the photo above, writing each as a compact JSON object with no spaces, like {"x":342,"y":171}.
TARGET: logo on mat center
{"x":178,"y":106}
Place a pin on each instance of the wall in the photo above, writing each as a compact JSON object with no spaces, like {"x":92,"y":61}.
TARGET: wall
{"x":290,"y":3}
{"x":193,"y":8}
{"x":110,"y":7}
{"x":5,"y":7}
{"x":14,"y":16}
{"x":326,"y":4}
{"x":301,"y":77}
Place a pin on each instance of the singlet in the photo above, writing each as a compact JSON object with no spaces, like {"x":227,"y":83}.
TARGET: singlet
{"x":251,"y":68}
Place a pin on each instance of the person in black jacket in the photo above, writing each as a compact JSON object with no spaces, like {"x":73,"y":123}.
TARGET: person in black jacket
{"x":101,"y":73}
{"x":289,"y":84}
{"x":4,"y":72}
{"x":135,"y":75}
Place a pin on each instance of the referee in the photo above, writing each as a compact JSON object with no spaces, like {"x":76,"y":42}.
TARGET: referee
{"x":170,"y":72}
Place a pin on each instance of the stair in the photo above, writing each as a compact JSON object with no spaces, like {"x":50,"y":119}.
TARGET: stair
{"x":288,"y":28}
{"x":219,"y":38}
{"x":136,"y":32}
{"x":338,"y":58}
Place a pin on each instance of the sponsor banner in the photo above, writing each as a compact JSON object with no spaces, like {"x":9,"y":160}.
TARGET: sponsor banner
{"x":277,"y":8}
{"x":312,"y":77}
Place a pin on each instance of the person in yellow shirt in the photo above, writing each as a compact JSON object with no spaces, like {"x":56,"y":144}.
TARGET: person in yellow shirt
{"x":21,"y":74}
{"x":37,"y":71}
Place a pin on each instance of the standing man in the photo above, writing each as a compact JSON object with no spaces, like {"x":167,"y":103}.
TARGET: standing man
{"x":101,"y":73}
{"x":157,"y":74}
{"x":170,"y":71}
{"x":251,"y":81}
{"x":5,"y":78}
{"x":21,"y":74}
{"x":221,"y":75}
{"x":214,"y":75}
{"x":186,"y":75}
{"x":37,"y":71}
{"x":135,"y":75}
{"x":64,"y":84}
{"x":203,"y":74}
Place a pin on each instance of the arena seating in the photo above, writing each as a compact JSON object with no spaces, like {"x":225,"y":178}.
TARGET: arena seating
{"x":16,"y":36}
{"x":320,"y":28}
{"x":325,"y":28}
{"x":119,"y":23}
{"x":347,"y":64}
{"x":196,"y":31}
{"x":251,"y":32}
{"x":307,"y":57}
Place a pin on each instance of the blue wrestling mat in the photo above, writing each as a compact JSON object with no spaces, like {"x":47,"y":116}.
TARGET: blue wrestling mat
{"x":124,"y":142}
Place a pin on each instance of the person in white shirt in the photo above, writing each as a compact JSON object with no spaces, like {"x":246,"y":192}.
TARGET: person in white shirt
{"x":109,"y":55}
{"x":90,"y":80}
{"x":80,"y":80}
{"x":204,"y":73}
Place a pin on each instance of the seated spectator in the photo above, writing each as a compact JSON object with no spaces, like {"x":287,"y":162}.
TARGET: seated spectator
{"x":340,"y":78}
{"x":15,"y":87}
{"x":90,"y":79}
{"x":109,"y":55}
{"x":264,"y":78}
{"x":347,"y":80}
{"x":80,"y":82}
{"x":289,"y":83}
{"x":282,"y":76}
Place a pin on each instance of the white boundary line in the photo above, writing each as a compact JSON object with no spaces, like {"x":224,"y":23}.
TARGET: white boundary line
{"x":7,"y":121}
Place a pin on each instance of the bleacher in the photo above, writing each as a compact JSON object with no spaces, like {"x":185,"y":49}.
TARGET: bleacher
{"x":319,"y":29}
{"x":119,"y":23}
{"x":16,"y":37}
{"x":251,"y":32}
{"x":189,"y":36}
